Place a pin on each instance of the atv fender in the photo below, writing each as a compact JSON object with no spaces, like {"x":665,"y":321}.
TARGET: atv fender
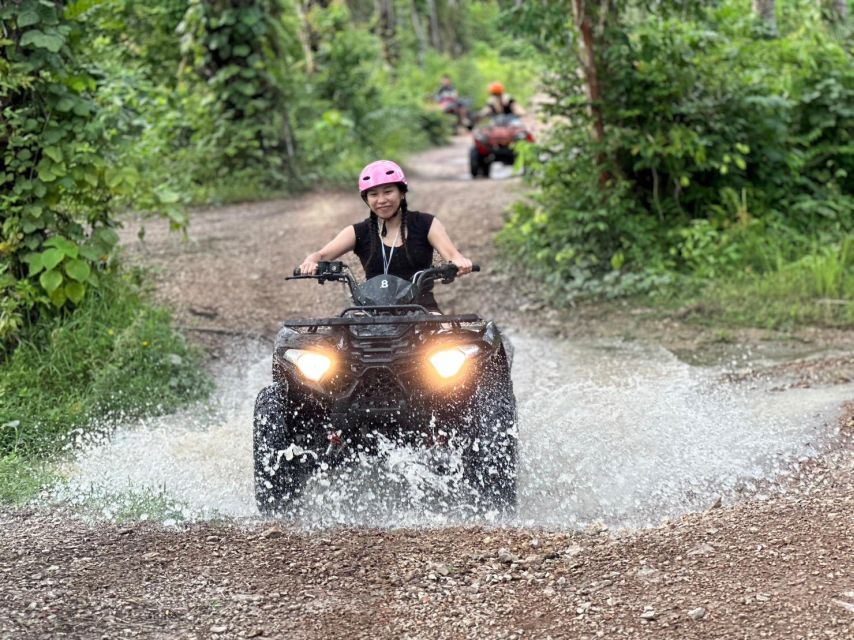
{"x":493,"y":336}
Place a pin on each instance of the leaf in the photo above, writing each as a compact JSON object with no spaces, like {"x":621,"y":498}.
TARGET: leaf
{"x":90,"y":253}
{"x":57,"y":297}
{"x":68,"y":247}
{"x":51,"y":41}
{"x":250,"y":18}
{"x":65,"y":105}
{"x":28,"y":18}
{"x":78,"y":270}
{"x":105,"y":239}
{"x":53,"y":135}
{"x":75,"y":291}
{"x":52,"y":257}
{"x":79,"y":83}
{"x":114,"y":178}
{"x":34,"y":210}
{"x":35,"y":262}
{"x":50,"y":280}
{"x":81,"y":108}
{"x":168,"y":197}
{"x":54,"y":153}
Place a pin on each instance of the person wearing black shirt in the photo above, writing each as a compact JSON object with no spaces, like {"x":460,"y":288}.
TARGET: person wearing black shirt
{"x":392,"y":239}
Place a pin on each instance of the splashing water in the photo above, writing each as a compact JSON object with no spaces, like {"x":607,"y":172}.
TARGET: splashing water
{"x":621,"y":433}
{"x":629,"y":435}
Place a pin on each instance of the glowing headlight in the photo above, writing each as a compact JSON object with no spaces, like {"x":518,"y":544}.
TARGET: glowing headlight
{"x":311,"y":364}
{"x":448,"y":362}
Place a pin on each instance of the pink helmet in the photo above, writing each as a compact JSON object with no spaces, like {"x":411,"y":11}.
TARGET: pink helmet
{"x":379,"y":173}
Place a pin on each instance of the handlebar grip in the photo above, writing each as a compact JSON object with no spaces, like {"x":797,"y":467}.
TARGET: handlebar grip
{"x":475,"y":267}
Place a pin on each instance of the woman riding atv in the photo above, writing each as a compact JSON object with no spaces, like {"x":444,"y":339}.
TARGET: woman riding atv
{"x":414,"y":235}
{"x":385,"y":370}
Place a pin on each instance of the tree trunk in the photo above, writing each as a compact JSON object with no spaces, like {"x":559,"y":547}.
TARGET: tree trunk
{"x":386,"y":28}
{"x":305,"y":38}
{"x":435,"y":27}
{"x":418,"y":28}
{"x":765,"y":11}
{"x":587,"y":57}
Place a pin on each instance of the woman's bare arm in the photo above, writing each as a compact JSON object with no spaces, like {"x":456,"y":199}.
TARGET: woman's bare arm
{"x":342,"y":243}
{"x":441,"y":242}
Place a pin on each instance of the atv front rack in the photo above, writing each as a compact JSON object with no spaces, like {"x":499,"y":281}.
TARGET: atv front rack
{"x":467,"y":318}
{"x":422,"y":316}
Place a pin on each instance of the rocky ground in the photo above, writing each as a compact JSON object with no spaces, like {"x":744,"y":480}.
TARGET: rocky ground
{"x":778,"y":567}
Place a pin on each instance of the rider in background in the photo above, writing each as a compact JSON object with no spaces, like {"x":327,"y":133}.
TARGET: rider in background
{"x":446,"y":89}
{"x":450,"y":102}
{"x":392,"y":239}
{"x":500,"y":103}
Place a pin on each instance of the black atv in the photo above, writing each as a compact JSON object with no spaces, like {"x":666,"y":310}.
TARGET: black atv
{"x":386,"y":367}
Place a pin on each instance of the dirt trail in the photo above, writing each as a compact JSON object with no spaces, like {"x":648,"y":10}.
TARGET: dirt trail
{"x":779,"y":567}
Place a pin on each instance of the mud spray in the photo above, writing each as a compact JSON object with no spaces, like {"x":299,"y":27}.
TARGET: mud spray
{"x":620,"y":433}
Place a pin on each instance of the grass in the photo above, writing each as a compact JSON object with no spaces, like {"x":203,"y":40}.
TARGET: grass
{"x":816,"y":289}
{"x":116,"y":357}
{"x":21,"y":478}
{"x":134,"y":506}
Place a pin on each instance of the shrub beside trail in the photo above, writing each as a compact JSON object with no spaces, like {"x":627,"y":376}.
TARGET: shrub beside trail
{"x":716,"y":160}
{"x":117,"y":357}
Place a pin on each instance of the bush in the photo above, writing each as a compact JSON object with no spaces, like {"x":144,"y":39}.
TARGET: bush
{"x":116,"y":357}
{"x":724,"y":152}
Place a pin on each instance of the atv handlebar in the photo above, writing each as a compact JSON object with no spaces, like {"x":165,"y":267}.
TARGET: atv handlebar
{"x":446,"y":273}
{"x":335,"y":270}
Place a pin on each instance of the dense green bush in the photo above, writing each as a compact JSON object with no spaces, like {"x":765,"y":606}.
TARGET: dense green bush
{"x":721,"y":145}
{"x":53,"y":180}
{"x":63,"y":166}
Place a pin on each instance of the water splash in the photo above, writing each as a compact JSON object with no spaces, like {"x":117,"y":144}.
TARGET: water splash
{"x":622,"y":433}
{"x":629,"y":435}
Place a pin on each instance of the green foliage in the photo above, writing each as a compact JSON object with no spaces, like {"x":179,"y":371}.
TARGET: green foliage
{"x":115,"y":357}
{"x":21,"y":478}
{"x":63,"y":166}
{"x":241,"y":53}
{"x":722,"y":148}
{"x":54,"y":179}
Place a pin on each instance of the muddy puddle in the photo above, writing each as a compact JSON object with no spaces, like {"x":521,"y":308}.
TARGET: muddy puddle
{"x":620,"y":433}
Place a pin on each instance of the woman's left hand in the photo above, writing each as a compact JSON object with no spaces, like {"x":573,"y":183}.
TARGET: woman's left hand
{"x":463,"y":265}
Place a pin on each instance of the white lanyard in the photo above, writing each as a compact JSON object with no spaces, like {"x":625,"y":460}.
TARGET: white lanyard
{"x":386,"y":263}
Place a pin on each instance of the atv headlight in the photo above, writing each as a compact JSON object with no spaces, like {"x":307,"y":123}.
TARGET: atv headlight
{"x":449,"y":362}
{"x":311,"y":364}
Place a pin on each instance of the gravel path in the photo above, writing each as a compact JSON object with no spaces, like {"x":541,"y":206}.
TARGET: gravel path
{"x":775,"y":568}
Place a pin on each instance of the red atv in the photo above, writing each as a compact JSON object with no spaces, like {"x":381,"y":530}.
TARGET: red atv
{"x":494,"y":142}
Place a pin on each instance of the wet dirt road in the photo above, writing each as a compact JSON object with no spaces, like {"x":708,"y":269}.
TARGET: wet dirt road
{"x":777,"y":565}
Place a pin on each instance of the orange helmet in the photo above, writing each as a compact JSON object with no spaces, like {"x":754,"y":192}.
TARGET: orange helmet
{"x":496,"y":88}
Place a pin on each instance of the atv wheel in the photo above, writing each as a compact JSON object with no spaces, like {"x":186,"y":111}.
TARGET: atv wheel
{"x":490,"y":460}
{"x":278,"y":481}
{"x":477,"y":164}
